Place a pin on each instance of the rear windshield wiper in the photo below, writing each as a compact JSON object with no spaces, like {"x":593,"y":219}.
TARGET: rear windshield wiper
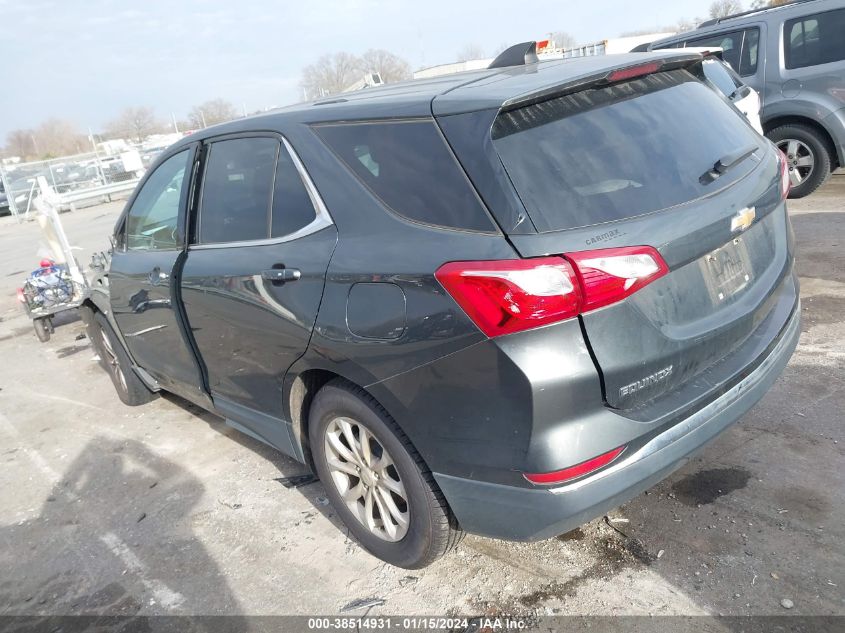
{"x":725,"y":163}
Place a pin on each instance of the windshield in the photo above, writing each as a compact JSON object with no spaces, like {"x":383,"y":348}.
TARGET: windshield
{"x":621,"y":151}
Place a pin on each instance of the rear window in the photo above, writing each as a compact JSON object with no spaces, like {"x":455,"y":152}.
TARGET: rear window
{"x":621,"y":151}
{"x":410,"y":168}
{"x":814,"y":39}
{"x":718,"y":74}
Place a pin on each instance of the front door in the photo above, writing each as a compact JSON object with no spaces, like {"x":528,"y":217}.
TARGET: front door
{"x":148,"y":249}
{"x":254,"y":275}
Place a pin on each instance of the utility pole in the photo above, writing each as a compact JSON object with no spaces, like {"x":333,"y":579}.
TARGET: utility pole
{"x":202,"y":116}
{"x":175,"y":126}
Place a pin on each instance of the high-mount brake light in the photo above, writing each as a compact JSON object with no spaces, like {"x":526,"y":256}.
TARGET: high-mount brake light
{"x":506,"y":296}
{"x":634,"y":71}
{"x":785,"y":183}
{"x":574,"y":472}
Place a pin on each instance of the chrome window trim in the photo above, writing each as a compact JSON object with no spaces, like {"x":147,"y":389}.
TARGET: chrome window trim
{"x":322,"y":218}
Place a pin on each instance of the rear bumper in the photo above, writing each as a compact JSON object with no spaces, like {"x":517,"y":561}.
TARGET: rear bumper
{"x":523,"y":514}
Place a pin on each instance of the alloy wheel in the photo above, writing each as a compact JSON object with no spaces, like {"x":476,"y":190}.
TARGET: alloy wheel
{"x":799,"y":159}
{"x":112,"y":361}
{"x":367,"y":479}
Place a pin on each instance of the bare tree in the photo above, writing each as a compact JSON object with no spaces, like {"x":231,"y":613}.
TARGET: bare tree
{"x":724,"y":8}
{"x":563,"y":39}
{"x":20,"y":143}
{"x":389,"y":66}
{"x":56,"y":137}
{"x":211,"y":113}
{"x":470,"y":51}
{"x":765,"y":4}
{"x":137,"y":123}
{"x":330,"y":75}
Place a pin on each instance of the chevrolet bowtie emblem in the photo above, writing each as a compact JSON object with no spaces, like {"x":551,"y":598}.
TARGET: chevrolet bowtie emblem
{"x":743,"y":219}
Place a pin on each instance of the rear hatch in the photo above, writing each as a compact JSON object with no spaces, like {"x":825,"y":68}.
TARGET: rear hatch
{"x":657,"y":160}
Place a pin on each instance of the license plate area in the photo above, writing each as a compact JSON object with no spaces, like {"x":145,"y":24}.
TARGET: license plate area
{"x":727,"y":270}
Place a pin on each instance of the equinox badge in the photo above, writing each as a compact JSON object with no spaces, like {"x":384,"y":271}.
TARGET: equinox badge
{"x":743,"y":219}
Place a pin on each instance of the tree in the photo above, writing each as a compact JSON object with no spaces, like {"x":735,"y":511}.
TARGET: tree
{"x":211,"y":113}
{"x":562,"y":39}
{"x":137,"y":123}
{"x":20,"y":143}
{"x":389,"y":66}
{"x":724,"y":8}
{"x":469,"y":52}
{"x":57,"y":137}
{"x":765,"y":4}
{"x":330,"y":75}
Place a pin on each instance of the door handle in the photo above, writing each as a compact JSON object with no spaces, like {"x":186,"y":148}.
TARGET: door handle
{"x":281,"y":275}
{"x":157,"y":276}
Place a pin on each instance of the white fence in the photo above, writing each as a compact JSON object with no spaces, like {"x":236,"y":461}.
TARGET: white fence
{"x":70,"y":180}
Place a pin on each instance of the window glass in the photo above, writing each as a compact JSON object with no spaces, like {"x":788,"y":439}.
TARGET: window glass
{"x":716,"y":72}
{"x":237,"y":189}
{"x":748,"y":59}
{"x":730,"y":43}
{"x":409,"y":167}
{"x":739,"y":48}
{"x":292,"y":207}
{"x":815,"y":39}
{"x":621,"y":151}
{"x":152,"y":222}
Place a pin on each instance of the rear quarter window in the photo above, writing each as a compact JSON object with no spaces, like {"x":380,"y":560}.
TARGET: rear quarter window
{"x":409,"y":167}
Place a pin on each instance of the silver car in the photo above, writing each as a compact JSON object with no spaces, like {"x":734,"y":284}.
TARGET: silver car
{"x":794,"y":56}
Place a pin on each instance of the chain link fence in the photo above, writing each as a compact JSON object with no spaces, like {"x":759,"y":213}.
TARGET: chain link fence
{"x":69,"y":180}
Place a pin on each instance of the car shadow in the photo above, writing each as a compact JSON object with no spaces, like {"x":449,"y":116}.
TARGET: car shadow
{"x":113,"y":538}
{"x":288,"y":468}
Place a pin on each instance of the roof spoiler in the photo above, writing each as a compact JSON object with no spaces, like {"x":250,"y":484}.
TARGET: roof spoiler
{"x":651,"y":64}
{"x":520,"y":54}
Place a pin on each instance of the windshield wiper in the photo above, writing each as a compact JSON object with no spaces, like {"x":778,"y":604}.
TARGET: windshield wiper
{"x":725,"y":163}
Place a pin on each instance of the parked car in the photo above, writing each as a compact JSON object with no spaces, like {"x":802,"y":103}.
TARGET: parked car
{"x":794,"y":56}
{"x":499,"y":302}
{"x":724,"y":79}
{"x":4,"y":202}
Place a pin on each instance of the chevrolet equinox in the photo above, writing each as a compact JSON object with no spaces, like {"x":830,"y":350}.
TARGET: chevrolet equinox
{"x":499,"y":302}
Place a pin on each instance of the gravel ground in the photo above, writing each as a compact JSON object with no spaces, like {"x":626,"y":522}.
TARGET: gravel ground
{"x":160,"y":509}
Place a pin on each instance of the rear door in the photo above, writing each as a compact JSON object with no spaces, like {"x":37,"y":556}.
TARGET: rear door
{"x":254,"y":274}
{"x":148,"y":249}
{"x":658,"y":161}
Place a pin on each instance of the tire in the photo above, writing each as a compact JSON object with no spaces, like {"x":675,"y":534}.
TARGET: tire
{"x":114,"y":359}
{"x":43,"y":328}
{"x":430,"y":528}
{"x":803,"y":144}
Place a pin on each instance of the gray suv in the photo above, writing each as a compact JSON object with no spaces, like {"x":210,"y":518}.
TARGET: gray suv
{"x":794,"y":56}
{"x":499,"y":302}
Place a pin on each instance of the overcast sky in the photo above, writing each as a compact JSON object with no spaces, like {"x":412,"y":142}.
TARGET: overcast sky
{"x":85,"y":60}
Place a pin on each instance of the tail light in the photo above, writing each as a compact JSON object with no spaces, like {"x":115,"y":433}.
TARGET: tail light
{"x":574,"y":472}
{"x":785,"y":184}
{"x":612,"y":274}
{"x":506,"y":296}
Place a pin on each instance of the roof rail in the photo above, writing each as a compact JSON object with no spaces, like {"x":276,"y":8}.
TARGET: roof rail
{"x":742,"y":14}
{"x":520,"y":54}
